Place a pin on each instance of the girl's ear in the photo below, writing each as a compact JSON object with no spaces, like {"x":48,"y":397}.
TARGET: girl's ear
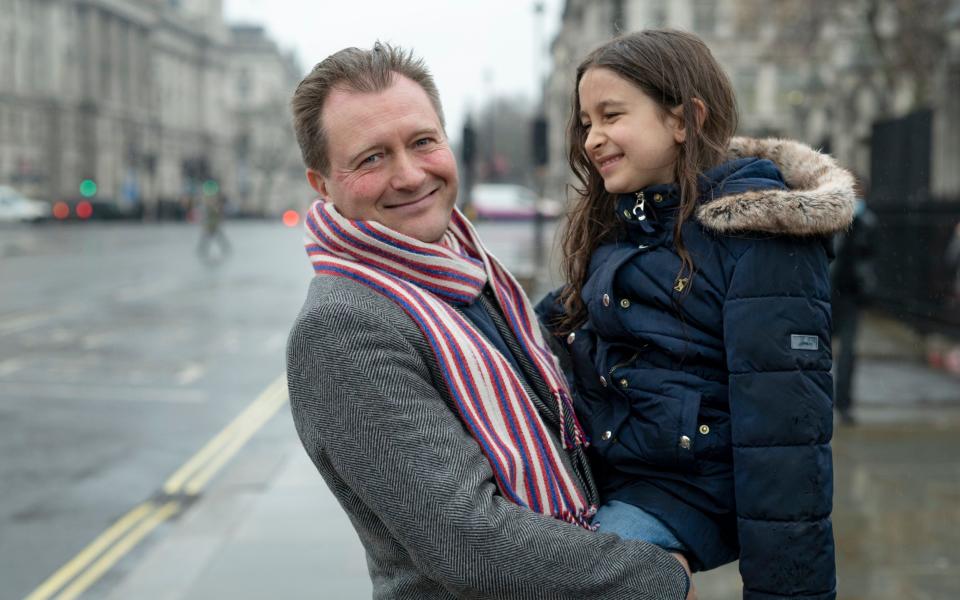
{"x":679,"y":126}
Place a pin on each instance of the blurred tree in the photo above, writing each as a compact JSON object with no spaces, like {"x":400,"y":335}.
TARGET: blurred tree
{"x":892,"y":47}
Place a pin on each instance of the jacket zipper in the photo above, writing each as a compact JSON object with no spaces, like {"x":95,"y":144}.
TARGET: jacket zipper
{"x":639,"y":209}
{"x":626,"y":362}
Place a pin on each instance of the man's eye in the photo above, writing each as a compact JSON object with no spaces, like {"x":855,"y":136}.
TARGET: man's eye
{"x":423,"y":142}
{"x":370,"y":160}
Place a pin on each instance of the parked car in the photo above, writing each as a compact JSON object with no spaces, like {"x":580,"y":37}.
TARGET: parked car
{"x":15,"y":207}
{"x":508,"y":201}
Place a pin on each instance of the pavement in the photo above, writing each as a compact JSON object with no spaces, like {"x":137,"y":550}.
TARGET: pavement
{"x":269,"y":528}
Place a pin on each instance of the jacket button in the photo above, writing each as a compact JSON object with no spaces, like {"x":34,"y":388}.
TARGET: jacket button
{"x":603,"y":381}
{"x":624,"y":303}
{"x":606,"y":300}
{"x":626,"y":213}
{"x":624,"y":383}
{"x":684,"y":442}
{"x":571,"y":337}
{"x":658,"y":198}
{"x":606,"y":436}
{"x":704,"y":429}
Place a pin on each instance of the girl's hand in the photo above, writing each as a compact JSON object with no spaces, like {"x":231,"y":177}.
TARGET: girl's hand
{"x":692,"y":594}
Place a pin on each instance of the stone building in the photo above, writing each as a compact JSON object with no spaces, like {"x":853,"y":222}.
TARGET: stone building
{"x":807,"y":70}
{"x":133,"y":95}
{"x":261,"y":81}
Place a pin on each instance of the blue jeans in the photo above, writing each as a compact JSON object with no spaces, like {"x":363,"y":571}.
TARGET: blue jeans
{"x":633,"y":523}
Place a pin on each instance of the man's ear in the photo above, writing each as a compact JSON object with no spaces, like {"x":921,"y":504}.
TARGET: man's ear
{"x":318,"y":182}
{"x":680,"y":131}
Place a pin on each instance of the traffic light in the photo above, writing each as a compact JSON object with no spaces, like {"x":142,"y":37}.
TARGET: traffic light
{"x":538,"y":141}
{"x":468,"y":144}
{"x":88,"y":188}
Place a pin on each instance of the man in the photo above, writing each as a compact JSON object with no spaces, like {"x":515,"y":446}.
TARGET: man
{"x":853,"y":281}
{"x":420,"y":384}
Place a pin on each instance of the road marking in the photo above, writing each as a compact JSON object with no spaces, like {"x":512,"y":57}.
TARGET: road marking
{"x":142,"y":291}
{"x":10,"y":366}
{"x":110,"y":558}
{"x":86,"y":556}
{"x":19,"y":324}
{"x":125,"y":393}
{"x":85,"y":569}
{"x":275,"y":342}
{"x":269,"y":400}
{"x":190,"y":374}
{"x":265,"y":411}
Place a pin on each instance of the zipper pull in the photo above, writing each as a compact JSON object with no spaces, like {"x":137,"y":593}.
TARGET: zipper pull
{"x":639,"y":209}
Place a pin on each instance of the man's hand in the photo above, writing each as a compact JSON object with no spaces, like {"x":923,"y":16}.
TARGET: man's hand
{"x":692,"y":594}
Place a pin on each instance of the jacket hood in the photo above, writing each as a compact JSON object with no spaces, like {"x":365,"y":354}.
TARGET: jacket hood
{"x":820,"y":199}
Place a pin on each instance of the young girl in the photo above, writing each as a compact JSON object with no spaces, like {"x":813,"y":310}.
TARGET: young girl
{"x":697,"y":314}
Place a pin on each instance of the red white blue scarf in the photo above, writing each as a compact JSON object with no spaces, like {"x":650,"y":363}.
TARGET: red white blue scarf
{"x":425,"y":280}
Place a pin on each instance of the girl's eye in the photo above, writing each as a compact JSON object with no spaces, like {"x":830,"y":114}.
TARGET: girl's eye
{"x":609,"y":116}
{"x":585,"y":125}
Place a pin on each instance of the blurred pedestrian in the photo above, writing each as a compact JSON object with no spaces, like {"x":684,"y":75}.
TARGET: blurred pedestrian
{"x":952,"y":258}
{"x":697,"y":313}
{"x":213,"y":207}
{"x":853,"y":282}
{"x":420,"y":383}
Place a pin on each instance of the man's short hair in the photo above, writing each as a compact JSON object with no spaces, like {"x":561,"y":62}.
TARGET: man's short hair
{"x":356,"y":70}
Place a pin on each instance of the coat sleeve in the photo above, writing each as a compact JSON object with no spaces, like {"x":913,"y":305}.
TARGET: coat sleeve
{"x":777,"y":339}
{"x":366,"y":401}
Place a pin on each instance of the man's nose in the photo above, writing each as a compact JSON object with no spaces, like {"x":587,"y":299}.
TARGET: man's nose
{"x":407,"y":174}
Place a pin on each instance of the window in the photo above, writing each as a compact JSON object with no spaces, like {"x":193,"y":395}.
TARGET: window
{"x":658,"y":13}
{"x":705,"y":16}
{"x":745,"y":85}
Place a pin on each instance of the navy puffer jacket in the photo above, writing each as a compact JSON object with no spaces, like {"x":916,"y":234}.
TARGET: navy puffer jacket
{"x":708,"y":399}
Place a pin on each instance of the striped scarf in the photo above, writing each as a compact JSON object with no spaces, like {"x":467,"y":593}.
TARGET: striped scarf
{"x":426,"y":280}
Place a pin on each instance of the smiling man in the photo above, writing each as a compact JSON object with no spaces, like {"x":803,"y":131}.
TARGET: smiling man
{"x":420,"y":384}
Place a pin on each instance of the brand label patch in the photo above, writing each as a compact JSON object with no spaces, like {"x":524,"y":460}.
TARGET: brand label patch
{"x":804,"y":342}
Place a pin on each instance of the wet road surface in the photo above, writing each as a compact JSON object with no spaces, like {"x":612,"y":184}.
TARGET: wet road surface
{"x":121,"y":354}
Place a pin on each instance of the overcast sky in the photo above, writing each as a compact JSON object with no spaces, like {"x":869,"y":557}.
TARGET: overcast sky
{"x":474,"y":48}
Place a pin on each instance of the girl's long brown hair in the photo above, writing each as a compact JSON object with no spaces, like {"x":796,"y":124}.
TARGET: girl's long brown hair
{"x":673,"y":68}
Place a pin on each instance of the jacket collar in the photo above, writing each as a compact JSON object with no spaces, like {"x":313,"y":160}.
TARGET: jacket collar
{"x":820,"y":199}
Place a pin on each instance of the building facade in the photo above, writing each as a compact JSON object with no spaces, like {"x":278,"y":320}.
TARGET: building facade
{"x":130,"y":95}
{"x":737,"y":40}
{"x":806,"y":70}
{"x":261,"y":79}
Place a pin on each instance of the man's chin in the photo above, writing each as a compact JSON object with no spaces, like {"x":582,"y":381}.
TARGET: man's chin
{"x":425,"y":230}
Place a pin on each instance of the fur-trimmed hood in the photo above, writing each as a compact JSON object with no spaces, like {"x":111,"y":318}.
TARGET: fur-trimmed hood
{"x":820,"y":200}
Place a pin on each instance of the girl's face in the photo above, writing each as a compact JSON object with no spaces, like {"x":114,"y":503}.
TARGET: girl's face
{"x":630,"y":140}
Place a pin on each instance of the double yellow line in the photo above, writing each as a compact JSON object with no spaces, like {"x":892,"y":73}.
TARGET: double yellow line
{"x":90,"y":564}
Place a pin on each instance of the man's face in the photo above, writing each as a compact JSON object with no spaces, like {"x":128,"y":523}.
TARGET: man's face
{"x":389,"y":160}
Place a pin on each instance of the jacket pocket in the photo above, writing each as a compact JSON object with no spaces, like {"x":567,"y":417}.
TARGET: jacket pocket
{"x":659,"y":431}
{"x":712,"y":441}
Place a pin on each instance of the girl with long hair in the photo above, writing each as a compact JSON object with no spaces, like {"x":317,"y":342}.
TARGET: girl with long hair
{"x":697,"y":314}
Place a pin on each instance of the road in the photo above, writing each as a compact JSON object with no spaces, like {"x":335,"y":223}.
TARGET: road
{"x":122,"y":354}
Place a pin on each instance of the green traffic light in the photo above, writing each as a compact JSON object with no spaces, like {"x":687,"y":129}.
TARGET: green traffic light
{"x":88,"y":188}
{"x":210,"y":188}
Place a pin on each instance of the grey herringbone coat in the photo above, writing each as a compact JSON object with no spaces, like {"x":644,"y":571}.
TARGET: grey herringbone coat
{"x":376,"y":420}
